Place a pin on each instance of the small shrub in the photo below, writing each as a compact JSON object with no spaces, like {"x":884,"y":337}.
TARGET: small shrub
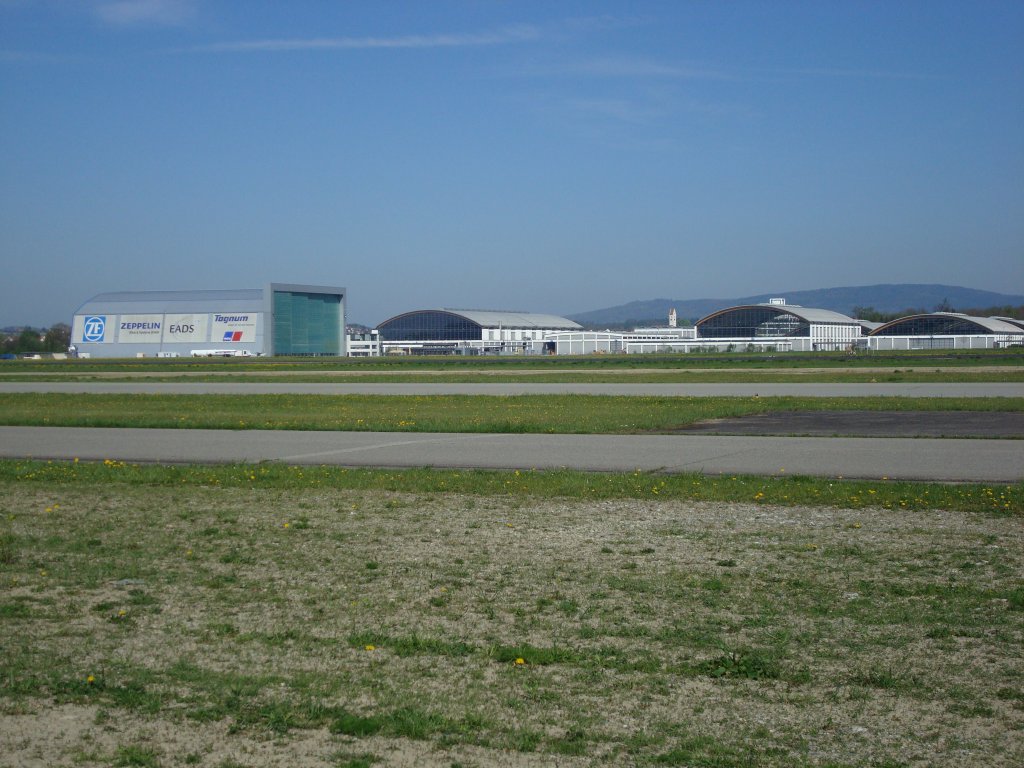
{"x":744,"y":664}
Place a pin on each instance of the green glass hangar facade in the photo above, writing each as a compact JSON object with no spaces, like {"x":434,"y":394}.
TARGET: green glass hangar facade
{"x":307,"y":322}
{"x":278,"y":319}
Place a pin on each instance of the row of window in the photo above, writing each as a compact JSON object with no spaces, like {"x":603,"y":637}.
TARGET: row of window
{"x":430,"y":325}
{"x":932,"y":325}
{"x":752,"y":322}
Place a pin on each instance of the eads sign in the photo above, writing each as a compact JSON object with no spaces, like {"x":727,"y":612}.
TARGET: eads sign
{"x":185,"y":328}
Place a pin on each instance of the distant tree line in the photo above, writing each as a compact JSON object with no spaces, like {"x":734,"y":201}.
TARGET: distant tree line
{"x":28,"y":341}
{"x":873,"y":315}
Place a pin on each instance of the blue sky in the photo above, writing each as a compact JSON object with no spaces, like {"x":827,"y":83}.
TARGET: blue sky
{"x":542,"y":156}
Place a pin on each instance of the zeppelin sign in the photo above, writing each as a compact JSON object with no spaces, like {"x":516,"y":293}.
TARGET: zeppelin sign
{"x":166,"y":329}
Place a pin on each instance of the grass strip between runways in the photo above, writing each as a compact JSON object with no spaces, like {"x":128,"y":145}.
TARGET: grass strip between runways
{"x":562,"y":414}
{"x":991,"y":498}
{"x":726,"y":361}
{"x":977,"y":375}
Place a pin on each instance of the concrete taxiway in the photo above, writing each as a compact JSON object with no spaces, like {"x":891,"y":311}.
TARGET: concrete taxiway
{"x":952,"y":460}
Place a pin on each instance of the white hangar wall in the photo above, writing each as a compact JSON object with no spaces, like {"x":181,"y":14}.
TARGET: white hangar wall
{"x":279,"y":319}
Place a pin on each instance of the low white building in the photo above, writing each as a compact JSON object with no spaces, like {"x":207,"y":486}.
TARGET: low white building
{"x":637,"y":341}
{"x":584,"y":342}
{"x":364,"y":344}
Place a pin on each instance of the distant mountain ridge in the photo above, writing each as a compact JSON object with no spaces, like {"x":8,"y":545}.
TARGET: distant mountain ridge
{"x":885,"y":297}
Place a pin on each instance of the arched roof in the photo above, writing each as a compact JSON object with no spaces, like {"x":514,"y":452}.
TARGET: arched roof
{"x":1016,"y":322}
{"x":753,"y":320}
{"x":486,"y":318}
{"x":867,"y":326}
{"x":945,"y":324}
{"x":465,"y":324}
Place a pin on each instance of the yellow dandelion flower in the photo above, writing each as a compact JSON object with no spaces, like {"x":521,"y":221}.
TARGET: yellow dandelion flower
{"x":520,"y":661}
{"x":90,"y":679}
{"x":369,"y":647}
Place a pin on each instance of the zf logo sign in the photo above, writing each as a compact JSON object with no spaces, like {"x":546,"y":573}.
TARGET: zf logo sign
{"x":94,"y":328}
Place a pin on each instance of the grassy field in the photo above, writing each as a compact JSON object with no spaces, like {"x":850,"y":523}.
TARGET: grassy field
{"x":626,"y":376}
{"x":779,"y":490}
{"x":257,"y":616}
{"x":593,"y":414}
{"x":267,"y":615}
{"x":945,"y":357}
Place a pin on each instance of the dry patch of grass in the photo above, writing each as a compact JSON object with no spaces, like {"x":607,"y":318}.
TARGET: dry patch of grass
{"x":145,"y":625}
{"x":565,"y":414}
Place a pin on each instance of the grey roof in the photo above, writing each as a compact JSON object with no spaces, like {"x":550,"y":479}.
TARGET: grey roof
{"x":1011,"y":320}
{"x":990,"y":324}
{"x":494,"y":319}
{"x":804,"y":313}
{"x":812,"y":315}
{"x":868,"y":325}
{"x":993,"y":324}
{"x":159,"y":302}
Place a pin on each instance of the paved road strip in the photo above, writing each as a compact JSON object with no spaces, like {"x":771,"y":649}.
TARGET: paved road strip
{"x":873,"y":458}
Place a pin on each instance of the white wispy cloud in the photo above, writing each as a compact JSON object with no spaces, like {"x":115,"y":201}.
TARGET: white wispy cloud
{"x":8,"y":55}
{"x":623,"y":110}
{"x":878,"y":74}
{"x":625,"y":67}
{"x":126,"y":13}
{"x":508,"y":35}
{"x":622,"y":68}
{"x":643,"y":68}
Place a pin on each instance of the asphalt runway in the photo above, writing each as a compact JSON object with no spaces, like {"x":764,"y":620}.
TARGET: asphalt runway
{"x":870,"y":458}
{"x":942,"y":389}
